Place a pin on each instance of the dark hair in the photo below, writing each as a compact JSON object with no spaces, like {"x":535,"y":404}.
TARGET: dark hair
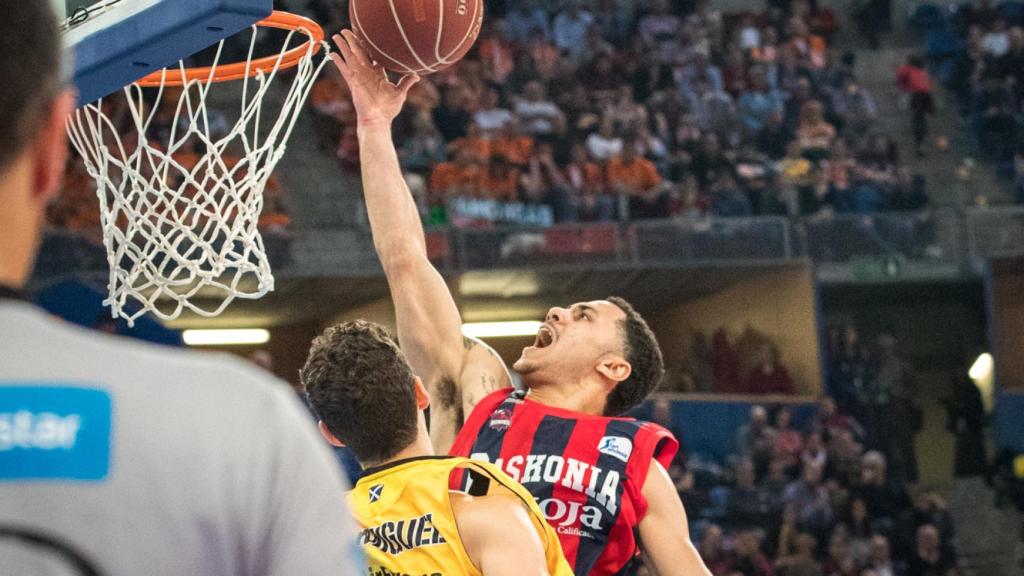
{"x":643,"y":355}
{"x":361,"y":386}
{"x":30,"y":61}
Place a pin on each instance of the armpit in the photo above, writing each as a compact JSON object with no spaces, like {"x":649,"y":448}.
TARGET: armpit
{"x":449,"y":398}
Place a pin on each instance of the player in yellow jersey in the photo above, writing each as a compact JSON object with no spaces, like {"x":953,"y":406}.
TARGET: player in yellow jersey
{"x":421,"y":515}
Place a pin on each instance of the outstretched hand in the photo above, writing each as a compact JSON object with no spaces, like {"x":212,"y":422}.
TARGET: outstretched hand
{"x":377,"y":100}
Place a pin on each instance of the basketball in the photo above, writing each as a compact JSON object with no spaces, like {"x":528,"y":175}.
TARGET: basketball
{"x":417,"y":36}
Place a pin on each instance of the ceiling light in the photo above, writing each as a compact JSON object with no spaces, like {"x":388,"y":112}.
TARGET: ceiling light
{"x":500,"y":329}
{"x":982,"y":367}
{"x":237,"y":337}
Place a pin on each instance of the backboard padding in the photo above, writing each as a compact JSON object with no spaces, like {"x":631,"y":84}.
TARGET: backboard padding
{"x":136,"y":37}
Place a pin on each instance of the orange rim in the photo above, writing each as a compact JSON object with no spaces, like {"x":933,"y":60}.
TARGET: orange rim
{"x":237,"y":71}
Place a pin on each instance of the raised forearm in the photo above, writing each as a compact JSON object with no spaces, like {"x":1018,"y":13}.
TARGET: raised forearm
{"x":394,"y":219}
{"x":427,"y":318}
{"x":428,"y":322}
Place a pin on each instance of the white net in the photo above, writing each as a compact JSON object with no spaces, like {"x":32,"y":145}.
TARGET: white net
{"x":181,"y":190}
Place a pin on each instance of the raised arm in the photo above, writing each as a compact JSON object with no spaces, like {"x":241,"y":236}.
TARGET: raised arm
{"x":665,"y":531}
{"x":429,"y":325}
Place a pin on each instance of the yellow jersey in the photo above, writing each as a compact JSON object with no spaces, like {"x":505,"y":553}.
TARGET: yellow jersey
{"x":408,"y":528}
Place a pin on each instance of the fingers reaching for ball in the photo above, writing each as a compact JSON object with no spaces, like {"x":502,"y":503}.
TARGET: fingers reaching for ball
{"x":352,"y":48}
{"x":353,"y":54}
{"x":344,"y":59}
{"x":376,"y":99}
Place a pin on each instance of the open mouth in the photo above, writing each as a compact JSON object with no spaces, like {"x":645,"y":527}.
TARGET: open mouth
{"x":545,"y":337}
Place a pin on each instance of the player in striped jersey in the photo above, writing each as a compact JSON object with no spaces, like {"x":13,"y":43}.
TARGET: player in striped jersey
{"x":600,"y":480}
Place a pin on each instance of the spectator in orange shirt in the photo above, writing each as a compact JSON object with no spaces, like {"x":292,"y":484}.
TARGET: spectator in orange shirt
{"x":460,"y":177}
{"x":332,"y":102}
{"x":811,"y":47}
{"x":274,"y":218}
{"x":473,"y":143}
{"x":511,"y":143}
{"x":500,"y":181}
{"x":635,"y":177}
{"x":496,"y":53}
{"x":585,"y":180}
{"x":330,"y":97}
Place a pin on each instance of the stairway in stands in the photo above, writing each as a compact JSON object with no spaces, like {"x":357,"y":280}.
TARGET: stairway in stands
{"x":876,"y":70}
{"x":988,"y":539}
{"x":328,"y":215}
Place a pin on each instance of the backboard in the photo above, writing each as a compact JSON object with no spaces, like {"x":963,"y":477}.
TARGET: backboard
{"x":116,"y":42}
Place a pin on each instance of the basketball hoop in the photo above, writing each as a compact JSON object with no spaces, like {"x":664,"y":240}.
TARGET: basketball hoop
{"x":180,"y":210}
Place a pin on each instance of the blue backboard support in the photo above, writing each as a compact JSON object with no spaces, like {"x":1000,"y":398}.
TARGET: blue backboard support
{"x":116,"y":46}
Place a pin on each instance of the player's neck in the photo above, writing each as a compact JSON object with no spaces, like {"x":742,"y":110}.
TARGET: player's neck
{"x":15,"y":261}
{"x":421,"y":447}
{"x":577,"y":399}
{"x":20,"y":222}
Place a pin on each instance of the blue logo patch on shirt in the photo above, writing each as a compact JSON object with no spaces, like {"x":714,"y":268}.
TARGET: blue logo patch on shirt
{"x":616,"y":446}
{"x":375,"y":492}
{"x":54,"y":433}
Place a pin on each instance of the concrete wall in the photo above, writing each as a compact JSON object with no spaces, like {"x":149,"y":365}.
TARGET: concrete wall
{"x":707,"y":425}
{"x":1006,"y":288}
{"x":778,"y":303}
{"x":289,"y":346}
{"x":380,"y":311}
{"x":1008,"y":329}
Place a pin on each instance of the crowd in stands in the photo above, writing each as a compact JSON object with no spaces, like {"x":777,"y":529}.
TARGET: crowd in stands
{"x":815,"y":498}
{"x":977,"y":51}
{"x":77,"y":208}
{"x":604,"y":108}
{"x":876,"y":387}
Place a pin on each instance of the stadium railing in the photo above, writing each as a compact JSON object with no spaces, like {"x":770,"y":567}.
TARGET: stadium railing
{"x":912,"y":236}
{"x":951,"y":241}
{"x":711,"y":240}
{"x":994,"y":232}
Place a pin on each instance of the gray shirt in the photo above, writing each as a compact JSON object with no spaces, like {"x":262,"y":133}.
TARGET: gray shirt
{"x":150,"y":460}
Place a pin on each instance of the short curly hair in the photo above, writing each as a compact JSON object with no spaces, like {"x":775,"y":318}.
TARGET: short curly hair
{"x":359,"y":383}
{"x":644,"y":356}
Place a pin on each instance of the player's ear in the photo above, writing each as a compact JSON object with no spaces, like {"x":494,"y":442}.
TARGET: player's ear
{"x":51,"y":147}
{"x":422,"y":396}
{"x":329,"y":436}
{"x":614,"y":368}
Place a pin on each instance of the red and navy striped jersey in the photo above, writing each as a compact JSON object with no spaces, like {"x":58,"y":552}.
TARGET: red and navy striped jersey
{"x":586,"y":472}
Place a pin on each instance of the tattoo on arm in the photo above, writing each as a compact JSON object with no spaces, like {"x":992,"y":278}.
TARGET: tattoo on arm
{"x":488,"y":384}
{"x":468,"y":343}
